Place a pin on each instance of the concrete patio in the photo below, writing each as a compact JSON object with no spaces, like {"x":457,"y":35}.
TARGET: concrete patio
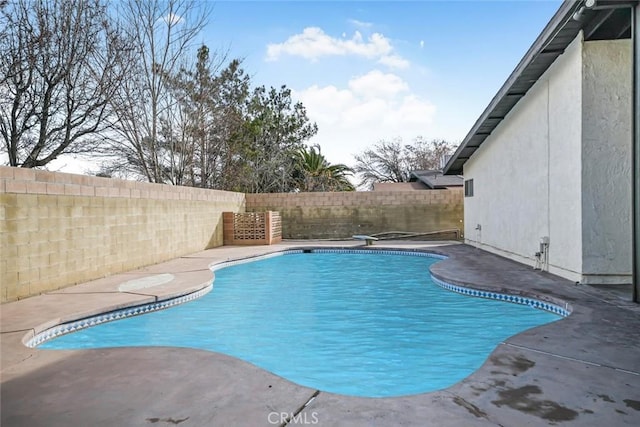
{"x":583,"y":370}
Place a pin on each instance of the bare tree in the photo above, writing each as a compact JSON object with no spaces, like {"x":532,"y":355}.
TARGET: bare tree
{"x":427,"y":155}
{"x":145,"y":110}
{"x":60,"y":62}
{"x":391,"y":161}
{"x":385,"y":162}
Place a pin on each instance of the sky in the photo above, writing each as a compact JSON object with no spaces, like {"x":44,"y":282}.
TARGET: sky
{"x":373,"y":70}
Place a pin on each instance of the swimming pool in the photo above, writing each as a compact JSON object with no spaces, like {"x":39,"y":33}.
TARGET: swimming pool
{"x":364,"y":324}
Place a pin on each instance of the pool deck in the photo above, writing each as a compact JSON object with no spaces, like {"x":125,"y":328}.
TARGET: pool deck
{"x":583,"y":370}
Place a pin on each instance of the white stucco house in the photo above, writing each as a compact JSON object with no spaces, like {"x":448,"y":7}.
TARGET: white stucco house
{"x":548,"y":169}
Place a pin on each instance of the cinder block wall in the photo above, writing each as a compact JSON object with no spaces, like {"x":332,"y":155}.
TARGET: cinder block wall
{"x":341,"y":215}
{"x":61,"y":229}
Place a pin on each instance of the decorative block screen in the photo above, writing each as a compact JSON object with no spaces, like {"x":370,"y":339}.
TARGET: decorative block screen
{"x":252,"y":228}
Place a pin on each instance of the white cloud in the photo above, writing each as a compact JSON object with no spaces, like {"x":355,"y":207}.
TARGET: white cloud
{"x":70,"y":163}
{"x":421,"y":44}
{"x":172,"y":19}
{"x":394,"y":61}
{"x":325,"y":101}
{"x":360,"y":24}
{"x":313,"y":43}
{"x":370,"y":107}
{"x":376,"y":84}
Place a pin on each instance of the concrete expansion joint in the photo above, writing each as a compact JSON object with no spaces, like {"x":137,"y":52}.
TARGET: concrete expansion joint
{"x":573,"y":359}
{"x":154,"y":296}
{"x":18,"y":330}
{"x":192,"y":271}
{"x":194,"y":257}
{"x":470,"y":407}
{"x":294,"y":415}
{"x":618,"y":304}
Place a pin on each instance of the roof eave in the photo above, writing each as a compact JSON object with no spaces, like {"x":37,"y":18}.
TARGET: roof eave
{"x":564,"y":14}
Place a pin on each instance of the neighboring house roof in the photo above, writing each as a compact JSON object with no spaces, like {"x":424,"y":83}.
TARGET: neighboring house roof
{"x":609,"y":20}
{"x":434,"y":179}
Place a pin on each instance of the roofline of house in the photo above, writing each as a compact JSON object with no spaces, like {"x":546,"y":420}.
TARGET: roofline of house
{"x":572,"y":17}
{"x":558,"y":33}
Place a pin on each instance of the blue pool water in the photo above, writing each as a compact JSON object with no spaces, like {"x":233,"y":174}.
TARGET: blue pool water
{"x":355,"y":324}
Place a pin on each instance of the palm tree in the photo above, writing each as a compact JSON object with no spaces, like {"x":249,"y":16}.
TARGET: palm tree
{"x":315,"y":173}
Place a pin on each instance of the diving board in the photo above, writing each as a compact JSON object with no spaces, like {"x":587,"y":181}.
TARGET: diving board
{"x":368,"y":239}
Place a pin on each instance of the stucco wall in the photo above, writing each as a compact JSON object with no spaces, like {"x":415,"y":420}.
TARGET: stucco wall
{"x":341,"y":215}
{"x":61,"y":229}
{"x":564,"y":180}
{"x":606,"y":161}
{"x":518,"y":196}
{"x":557,"y":165}
{"x":508,"y":221}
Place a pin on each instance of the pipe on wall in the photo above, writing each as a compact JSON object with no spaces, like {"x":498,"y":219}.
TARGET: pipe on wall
{"x":635,"y":155}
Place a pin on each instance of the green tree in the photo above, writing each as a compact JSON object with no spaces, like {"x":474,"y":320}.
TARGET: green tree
{"x":213,"y":132}
{"x":231,"y":107}
{"x":275,"y":129}
{"x":316,"y":173}
{"x":210,"y":111}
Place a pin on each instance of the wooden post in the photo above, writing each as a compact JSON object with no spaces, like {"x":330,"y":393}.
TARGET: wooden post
{"x":228,"y":230}
{"x":268,"y":233}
